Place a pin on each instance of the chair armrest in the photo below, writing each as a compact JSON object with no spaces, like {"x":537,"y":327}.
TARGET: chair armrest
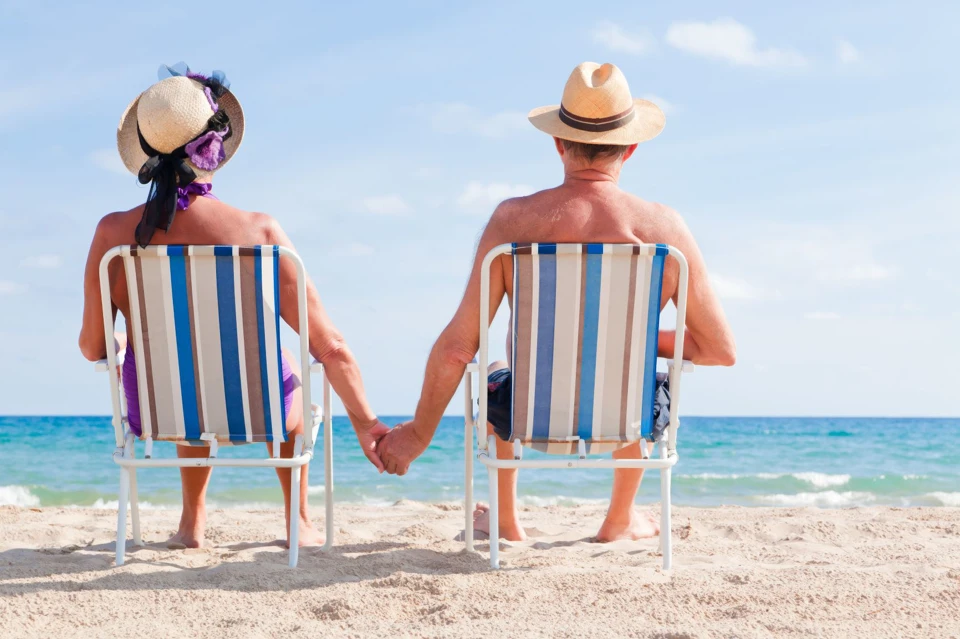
{"x":473,"y":367}
{"x":101,"y":366}
{"x":316,"y":367}
{"x":686,"y":367}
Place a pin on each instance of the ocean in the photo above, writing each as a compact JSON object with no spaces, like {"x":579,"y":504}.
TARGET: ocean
{"x":746,"y":461}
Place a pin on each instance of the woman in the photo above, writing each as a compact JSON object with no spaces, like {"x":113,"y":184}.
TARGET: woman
{"x":175,"y":136}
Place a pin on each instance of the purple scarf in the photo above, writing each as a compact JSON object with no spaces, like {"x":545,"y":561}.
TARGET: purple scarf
{"x":200,"y":189}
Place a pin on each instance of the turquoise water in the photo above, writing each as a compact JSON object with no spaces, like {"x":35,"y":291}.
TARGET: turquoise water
{"x":66,"y":461}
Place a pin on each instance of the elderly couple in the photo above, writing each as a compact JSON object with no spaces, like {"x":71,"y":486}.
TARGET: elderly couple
{"x":178,"y":132}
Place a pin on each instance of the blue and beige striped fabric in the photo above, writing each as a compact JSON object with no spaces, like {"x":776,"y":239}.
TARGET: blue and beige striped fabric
{"x":585,"y":325}
{"x":205,"y":325}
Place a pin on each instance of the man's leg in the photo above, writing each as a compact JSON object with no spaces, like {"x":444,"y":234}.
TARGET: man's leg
{"x":193,"y":518}
{"x":309,"y":536}
{"x":622,"y":521}
{"x":510,"y":528}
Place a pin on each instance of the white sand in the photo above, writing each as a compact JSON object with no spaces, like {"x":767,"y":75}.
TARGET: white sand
{"x":398,"y":571}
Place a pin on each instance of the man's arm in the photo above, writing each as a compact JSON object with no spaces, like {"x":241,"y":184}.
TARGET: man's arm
{"x":708,"y":339}
{"x":454,"y":349}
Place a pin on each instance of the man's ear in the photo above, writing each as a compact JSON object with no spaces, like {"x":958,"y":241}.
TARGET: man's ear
{"x":629,"y":152}
{"x":559,"y":144}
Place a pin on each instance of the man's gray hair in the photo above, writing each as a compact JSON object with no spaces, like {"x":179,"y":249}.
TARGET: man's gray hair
{"x":594,"y":152}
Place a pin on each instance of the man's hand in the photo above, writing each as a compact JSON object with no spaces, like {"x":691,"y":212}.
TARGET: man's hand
{"x":400,"y":447}
{"x":370,"y":439}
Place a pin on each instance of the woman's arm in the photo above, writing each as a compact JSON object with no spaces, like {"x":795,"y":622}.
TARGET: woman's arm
{"x":92,"y":343}
{"x":326,"y":343}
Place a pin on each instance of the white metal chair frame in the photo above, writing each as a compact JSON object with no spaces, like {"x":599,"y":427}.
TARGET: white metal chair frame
{"x":125,"y":454}
{"x":486,"y":453}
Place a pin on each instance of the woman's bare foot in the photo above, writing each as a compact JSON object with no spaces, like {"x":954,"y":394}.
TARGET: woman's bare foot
{"x":183,"y":540}
{"x":190,"y":534}
{"x":511,"y":532}
{"x":309,"y":536}
{"x":637,"y":527}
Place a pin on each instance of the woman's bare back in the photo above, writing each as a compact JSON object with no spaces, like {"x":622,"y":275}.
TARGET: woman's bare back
{"x":206,"y":221}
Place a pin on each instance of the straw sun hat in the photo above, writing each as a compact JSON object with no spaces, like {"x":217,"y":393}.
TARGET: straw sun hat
{"x":597,"y":108}
{"x":170,"y":114}
{"x":174,"y":136}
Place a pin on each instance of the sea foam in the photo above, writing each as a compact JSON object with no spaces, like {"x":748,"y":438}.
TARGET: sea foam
{"x":947,"y":499}
{"x":827,"y":498}
{"x":18,"y":496}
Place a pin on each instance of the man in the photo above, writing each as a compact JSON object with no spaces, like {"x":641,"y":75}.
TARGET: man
{"x":595,"y":129}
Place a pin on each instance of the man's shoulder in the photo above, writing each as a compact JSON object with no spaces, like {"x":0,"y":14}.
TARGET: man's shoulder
{"x":511,"y":208}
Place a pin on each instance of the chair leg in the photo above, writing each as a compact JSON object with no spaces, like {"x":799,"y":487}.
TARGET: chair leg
{"x":494,"y":520}
{"x":122,"y":514}
{"x":665,"y":525}
{"x":135,"y":508}
{"x":295,"y":515}
{"x":328,"y":482}
{"x":468,"y":488}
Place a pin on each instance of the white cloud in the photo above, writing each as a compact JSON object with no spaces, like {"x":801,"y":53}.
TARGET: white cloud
{"x":821,"y":315}
{"x":355,"y":249}
{"x":479,"y":196}
{"x":108,"y":160}
{"x":386,"y":205}
{"x":847,"y":53}
{"x":727,"y":39}
{"x":456,"y":117}
{"x":11,"y":288}
{"x":733,"y":288}
{"x":857,"y":273}
{"x":665,"y":105}
{"x":841,"y":255}
{"x":41,"y":261}
{"x":616,"y":39}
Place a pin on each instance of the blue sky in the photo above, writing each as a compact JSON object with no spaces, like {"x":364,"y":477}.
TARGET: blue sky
{"x":813,"y":149}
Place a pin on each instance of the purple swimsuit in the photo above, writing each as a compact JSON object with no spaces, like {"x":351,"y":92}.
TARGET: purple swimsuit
{"x":129,"y":376}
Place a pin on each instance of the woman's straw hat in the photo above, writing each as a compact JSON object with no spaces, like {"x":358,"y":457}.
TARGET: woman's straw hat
{"x":597,"y":108}
{"x":170,"y":114}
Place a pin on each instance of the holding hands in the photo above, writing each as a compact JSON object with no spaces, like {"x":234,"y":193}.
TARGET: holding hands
{"x":400,"y":447}
{"x":391,"y":450}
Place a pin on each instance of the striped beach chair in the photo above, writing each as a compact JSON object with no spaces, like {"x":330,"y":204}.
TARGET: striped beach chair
{"x":205,"y":329}
{"x":585,"y":323}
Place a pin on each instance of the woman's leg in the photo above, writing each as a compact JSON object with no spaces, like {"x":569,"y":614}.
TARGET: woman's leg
{"x":193,"y":518}
{"x":622,"y":521}
{"x":309,"y":536}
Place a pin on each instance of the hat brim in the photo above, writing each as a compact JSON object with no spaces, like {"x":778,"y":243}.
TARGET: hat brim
{"x":128,"y":142}
{"x":645,"y":125}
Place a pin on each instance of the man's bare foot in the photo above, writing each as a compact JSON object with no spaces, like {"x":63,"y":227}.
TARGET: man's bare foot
{"x":511,"y":532}
{"x":638,"y":527}
{"x":309,"y":536}
{"x":183,"y":540}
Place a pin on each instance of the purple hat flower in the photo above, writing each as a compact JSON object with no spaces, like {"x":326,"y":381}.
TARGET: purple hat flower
{"x":206,"y":152}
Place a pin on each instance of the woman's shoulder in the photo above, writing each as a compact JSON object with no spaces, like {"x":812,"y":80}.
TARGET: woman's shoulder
{"x":117,"y":225}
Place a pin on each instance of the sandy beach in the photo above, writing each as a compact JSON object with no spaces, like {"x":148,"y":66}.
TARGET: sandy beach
{"x":400,"y":571}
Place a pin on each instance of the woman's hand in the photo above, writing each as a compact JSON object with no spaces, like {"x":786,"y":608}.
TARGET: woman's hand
{"x":369,"y":438}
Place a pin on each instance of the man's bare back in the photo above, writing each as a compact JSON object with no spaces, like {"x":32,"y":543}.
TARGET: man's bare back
{"x":596,"y":211}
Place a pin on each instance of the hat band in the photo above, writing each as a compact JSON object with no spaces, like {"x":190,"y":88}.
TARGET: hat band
{"x":597,"y":125}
